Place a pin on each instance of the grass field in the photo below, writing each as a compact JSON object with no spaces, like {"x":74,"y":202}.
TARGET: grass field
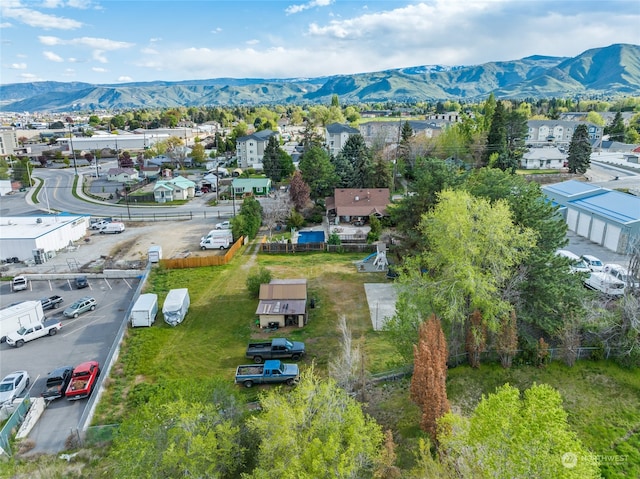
{"x":602,"y":399}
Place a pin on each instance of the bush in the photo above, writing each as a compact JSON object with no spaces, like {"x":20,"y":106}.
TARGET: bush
{"x":255,"y":280}
{"x":334,"y":239}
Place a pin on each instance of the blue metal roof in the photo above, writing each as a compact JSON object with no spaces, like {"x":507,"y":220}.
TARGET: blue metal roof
{"x":572,"y":188}
{"x":617,"y":206}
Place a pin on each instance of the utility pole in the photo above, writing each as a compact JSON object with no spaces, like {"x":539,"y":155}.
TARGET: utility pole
{"x":75,"y":167}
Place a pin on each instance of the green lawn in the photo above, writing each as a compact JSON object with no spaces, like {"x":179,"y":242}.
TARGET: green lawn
{"x":602,"y":399}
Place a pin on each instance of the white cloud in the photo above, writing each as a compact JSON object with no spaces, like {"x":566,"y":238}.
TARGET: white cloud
{"x":5,"y":25}
{"x":216,"y":30}
{"x":252,"y":42}
{"x":98,"y":55}
{"x":292,"y":9}
{"x":15,"y":10}
{"x":30,"y":77}
{"x":69,"y":72}
{"x":18,"y":66}
{"x":99,"y":70}
{"x":149,"y":51}
{"x":125,"y":78}
{"x":52,"y":57}
{"x":91,"y":42}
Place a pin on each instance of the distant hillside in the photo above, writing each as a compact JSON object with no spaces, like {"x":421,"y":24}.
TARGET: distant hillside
{"x":610,"y":71}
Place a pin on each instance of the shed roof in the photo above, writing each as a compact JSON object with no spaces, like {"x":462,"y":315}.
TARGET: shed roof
{"x":289,"y":289}
{"x":279,"y":307}
{"x":614,"y":205}
{"x":572,"y":188}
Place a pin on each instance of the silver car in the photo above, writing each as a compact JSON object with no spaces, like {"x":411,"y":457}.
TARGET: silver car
{"x":80,"y":306}
{"x":13,"y":385}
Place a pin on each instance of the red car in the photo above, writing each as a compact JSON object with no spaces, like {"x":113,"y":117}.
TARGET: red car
{"x":83,"y":380}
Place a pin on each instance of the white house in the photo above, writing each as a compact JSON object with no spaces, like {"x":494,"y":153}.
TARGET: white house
{"x":177,"y":188}
{"x":122,"y":175}
{"x":543,"y":158}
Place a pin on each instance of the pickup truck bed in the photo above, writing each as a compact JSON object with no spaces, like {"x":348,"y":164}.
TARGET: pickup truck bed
{"x":34,"y":331}
{"x":272,"y":371}
{"x":52,"y":302}
{"x":277,"y":348}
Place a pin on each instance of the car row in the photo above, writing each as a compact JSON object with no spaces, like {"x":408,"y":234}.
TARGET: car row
{"x":610,"y":278}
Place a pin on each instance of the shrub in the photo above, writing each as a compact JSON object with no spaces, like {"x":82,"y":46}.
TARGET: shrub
{"x":255,"y":280}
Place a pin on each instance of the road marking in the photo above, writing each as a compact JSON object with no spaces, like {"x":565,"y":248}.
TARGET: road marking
{"x":50,"y":286}
{"x":127,"y":282}
{"x":33,"y":383}
{"x":98,"y":318}
{"x":105,"y":280}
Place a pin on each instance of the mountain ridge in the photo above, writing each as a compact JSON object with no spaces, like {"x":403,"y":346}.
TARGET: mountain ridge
{"x":607,"y":71}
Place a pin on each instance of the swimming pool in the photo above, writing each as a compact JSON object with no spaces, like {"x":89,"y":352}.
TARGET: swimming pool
{"x":310,"y":237}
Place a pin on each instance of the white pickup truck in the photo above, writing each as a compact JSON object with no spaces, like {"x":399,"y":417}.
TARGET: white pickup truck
{"x":605,"y":283}
{"x":34,"y":331}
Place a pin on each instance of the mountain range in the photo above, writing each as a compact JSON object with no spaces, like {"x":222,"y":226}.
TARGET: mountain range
{"x":599,"y":72}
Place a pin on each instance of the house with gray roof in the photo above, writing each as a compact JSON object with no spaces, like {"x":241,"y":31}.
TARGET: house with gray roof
{"x":178,"y":188}
{"x":250,"y":148}
{"x":122,"y":175}
{"x":251,"y":186}
{"x":548,"y":157}
{"x":336,"y":135}
{"x":607,"y":217}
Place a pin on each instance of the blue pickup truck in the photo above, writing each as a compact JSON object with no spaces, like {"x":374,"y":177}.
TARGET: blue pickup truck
{"x":272,"y":371}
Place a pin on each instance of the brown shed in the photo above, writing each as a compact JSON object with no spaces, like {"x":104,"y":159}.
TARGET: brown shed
{"x":283,"y":302}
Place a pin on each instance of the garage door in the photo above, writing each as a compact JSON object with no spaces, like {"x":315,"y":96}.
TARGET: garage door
{"x":612,"y":237}
{"x":584,"y":221}
{"x":572,"y":219}
{"x":597,"y":231}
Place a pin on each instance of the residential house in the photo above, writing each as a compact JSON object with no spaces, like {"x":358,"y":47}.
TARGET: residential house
{"x":336,"y":136}
{"x":390,"y":132}
{"x":151,"y":172}
{"x":251,"y":186}
{"x":250,"y":148}
{"x":122,"y":175}
{"x":283,"y":302}
{"x":544,"y":158}
{"x":177,"y":188}
{"x":349,"y":204}
{"x":558,"y":132}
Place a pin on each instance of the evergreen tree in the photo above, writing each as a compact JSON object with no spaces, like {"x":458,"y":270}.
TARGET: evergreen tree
{"x":428,"y":383}
{"x":616,"y":130}
{"x":271,"y":160}
{"x":579,"y":157}
{"x":318,"y":172}
{"x":497,"y":137}
{"x":285,"y":164}
{"x":356,"y":153}
{"x":516,"y":131}
{"x":382,"y":173}
{"x":344,"y":171}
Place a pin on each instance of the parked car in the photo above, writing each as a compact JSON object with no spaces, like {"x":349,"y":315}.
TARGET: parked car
{"x":81,"y":306}
{"x":621,"y":273}
{"x":115,"y":227}
{"x":225,"y":225}
{"x":83,"y":380}
{"x":51,"y":302}
{"x":576,"y":264}
{"x":49,"y":327}
{"x":593,"y":263}
{"x":198,"y":193}
{"x":13,"y":385}
{"x":56,"y":383}
{"x":81,"y":282}
{"x":19,"y":283}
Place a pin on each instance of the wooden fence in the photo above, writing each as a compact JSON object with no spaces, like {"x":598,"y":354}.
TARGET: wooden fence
{"x":198,"y":261}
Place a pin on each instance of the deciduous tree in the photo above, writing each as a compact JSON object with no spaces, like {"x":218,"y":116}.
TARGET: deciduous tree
{"x":315,"y":430}
{"x":299,"y":192}
{"x":514,"y":437}
{"x":428,"y":383}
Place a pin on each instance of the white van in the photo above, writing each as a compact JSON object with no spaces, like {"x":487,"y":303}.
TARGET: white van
{"x":114,"y":227}
{"x":576,"y":264}
{"x":214,"y":243}
{"x":605,"y":283}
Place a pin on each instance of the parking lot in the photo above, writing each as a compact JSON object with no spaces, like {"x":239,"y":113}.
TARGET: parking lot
{"x":88,"y":337}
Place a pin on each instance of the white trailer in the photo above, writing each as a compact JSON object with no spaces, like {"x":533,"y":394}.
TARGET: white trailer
{"x":144,"y":310}
{"x":176,"y":306}
{"x":19,"y":315}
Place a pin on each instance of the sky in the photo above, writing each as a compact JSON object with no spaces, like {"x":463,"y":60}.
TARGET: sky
{"x":123,"y":41}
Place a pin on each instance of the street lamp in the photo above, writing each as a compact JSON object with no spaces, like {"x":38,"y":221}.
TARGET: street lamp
{"x":75,"y":167}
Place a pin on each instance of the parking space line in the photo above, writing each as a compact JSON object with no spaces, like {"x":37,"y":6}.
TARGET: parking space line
{"x":33,"y":383}
{"x":105,"y":280}
{"x":50,"y":285}
{"x":86,"y":325}
{"x":127,"y":283}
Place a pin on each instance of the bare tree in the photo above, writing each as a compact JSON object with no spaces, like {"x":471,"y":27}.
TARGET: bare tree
{"x":570,"y":338}
{"x":276,"y":211}
{"x":345,"y":368}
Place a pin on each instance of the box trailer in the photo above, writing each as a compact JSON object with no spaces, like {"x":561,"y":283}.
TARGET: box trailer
{"x":154,"y":253}
{"x":144,"y":310}
{"x":19,"y":315}
{"x":176,"y":306}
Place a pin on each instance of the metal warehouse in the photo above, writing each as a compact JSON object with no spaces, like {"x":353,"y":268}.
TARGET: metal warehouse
{"x":37,"y":237}
{"x":606,"y":217}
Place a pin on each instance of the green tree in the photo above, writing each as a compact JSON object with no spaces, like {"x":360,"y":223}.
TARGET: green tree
{"x":286,"y":164}
{"x":497,"y":138}
{"x":356,"y":153}
{"x":315,"y":430}
{"x":516,"y":131}
{"x":473,"y":251}
{"x":263,"y":276}
{"x":617,"y":129}
{"x":335,"y":101}
{"x":198,"y":154}
{"x":318,"y":172}
{"x":514,"y":437}
{"x":595,"y":118}
{"x":173,"y":437}
{"x":579,"y":157}
{"x":271,"y":160}
{"x":382,"y":173}
{"x":4,"y":169}
{"x":248,"y":221}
